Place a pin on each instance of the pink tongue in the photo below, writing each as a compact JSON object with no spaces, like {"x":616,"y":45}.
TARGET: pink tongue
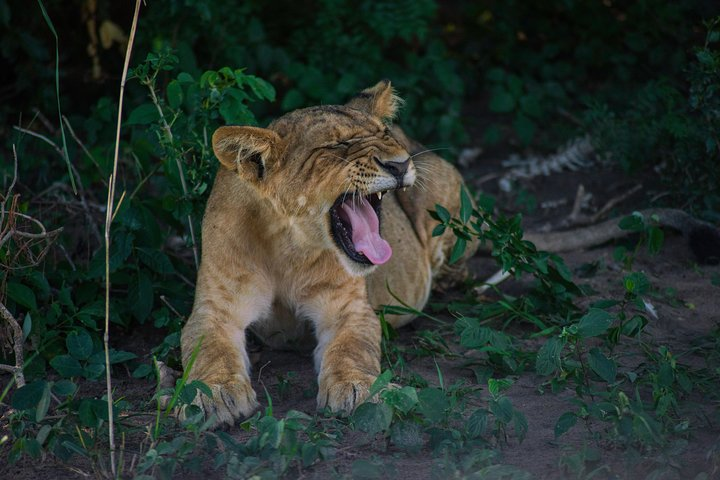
{"x":366,"y":232}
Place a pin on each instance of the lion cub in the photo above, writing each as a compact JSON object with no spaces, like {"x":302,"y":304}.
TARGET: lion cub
{"x":307,"y":225}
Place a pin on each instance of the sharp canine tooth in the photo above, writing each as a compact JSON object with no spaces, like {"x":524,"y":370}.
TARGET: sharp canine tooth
{"x":379,"y":195}
{"x":404,"y":189}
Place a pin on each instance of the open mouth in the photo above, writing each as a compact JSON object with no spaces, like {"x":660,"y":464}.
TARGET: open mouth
{"x":355,"y":226}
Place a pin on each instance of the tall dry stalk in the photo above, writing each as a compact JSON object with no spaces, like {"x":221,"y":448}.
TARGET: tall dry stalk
{"x":109,"y":215}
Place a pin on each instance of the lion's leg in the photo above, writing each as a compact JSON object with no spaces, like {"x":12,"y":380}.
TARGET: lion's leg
{"x":223,"y":310}
{"x":347,"y":355}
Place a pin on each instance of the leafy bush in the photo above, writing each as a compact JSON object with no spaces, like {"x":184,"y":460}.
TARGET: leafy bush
{"x":673,"y":128}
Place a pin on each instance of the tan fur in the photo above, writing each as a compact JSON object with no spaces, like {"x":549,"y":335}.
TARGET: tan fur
{"x":269,"y":261}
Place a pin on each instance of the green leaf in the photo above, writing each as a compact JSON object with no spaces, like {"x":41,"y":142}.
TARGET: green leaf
{"x":22,"y":295}
{"x":372,"y":418}
{"x":432,"y":404}
{"x":443,"y":213}
{"x":603,"y":366}
{"x":141,"y":296}
{"x":524,"y":128}
{"x":145,"y":114}
{"x":262,"y":89}
{"x":234,"y":111}
{"x":174,"y":94}
{"x":502,"y":409}
{"x":155,"y":260}
{"x":594,"y":323}
{"x":43,"y":404}
{"x":530,"y":105}
{"x":43,"y":433}
{"x":477,"y":423}
{"x":142,"y":371}
{"x":120,"y":356}
{"x":566,"y":421}
{"x":466,"y":205}
{"x":29,"y":395}
{"x":438,"y":230}
{"x":402,"y":399}
{"x":655,"y":240}
{"x":548,"y":357}
{"x":27,"y":326}
{"x":501,"y":101}
{"x":293,"y":99}
{"x":64,"y":388}
{"x":636,"y":283}
{"x":633,"y":222}
{"x":407,"y":436}
{"x":66,"y":366}
{"x":665,"y":376}
{"x":497,"y":385}
{"x":93,"y":371}
{"x":32,"y":447}
{"x":79,"y":344}
{"x":184,"y":77}
{"x":520,"y":425}
{"x":87,"y":414}
{"x":458,"y":250}
{"x":309,"y":453}
{"x":380,"y":383}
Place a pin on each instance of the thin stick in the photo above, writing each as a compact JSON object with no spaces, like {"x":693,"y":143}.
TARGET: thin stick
{"x":81,"y":144}
{"x":496,"y":279}
{"x":108,"y":221}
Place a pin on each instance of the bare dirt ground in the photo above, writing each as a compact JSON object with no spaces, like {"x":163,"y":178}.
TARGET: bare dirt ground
{"x":688,"y":308}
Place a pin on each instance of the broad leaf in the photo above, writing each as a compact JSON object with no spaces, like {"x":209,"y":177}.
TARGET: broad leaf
{"x":66,"y":366}
{"x":603,"y":366}
{"x":566,"y":421}
{"x":372,"y":418}
{"x":79,"y":344}
{"x":22,"y":295}
{"x":29,"y":395}
{"x":594,"y":323}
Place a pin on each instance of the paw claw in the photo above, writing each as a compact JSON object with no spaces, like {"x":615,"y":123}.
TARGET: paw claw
{"x":344,"y":394}
{"x":229,"y":402}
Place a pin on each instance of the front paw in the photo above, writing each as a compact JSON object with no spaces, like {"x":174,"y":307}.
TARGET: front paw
{"x":230,"y":401}
{"x":344,"y":392}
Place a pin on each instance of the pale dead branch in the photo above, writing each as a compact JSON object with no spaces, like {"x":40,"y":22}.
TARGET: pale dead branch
{"x":18,"y":341}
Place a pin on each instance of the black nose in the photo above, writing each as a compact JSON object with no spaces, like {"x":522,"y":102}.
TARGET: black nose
{"x":396,"y":169}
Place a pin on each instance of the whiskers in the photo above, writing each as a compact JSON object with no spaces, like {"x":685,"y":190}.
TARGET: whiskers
{"x":428,"y":150}
{"x":427,"y":175}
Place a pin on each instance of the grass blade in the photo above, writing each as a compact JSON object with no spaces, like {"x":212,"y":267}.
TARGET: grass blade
{"x":57,"y":93}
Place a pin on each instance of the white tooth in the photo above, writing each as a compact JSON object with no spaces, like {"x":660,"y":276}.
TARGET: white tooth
{"x":379,"y":194}
{"x":404,"y":189}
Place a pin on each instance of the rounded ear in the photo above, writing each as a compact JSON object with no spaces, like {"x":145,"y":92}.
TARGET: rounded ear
{"x":248,"y":150}
{"x":379,"y":101}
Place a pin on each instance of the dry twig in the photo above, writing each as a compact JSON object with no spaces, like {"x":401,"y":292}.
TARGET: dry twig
{"x":108,"y":220}
{"x":18,"y":341}
{"x":23,"y":241}
{"x":576,"y":218}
